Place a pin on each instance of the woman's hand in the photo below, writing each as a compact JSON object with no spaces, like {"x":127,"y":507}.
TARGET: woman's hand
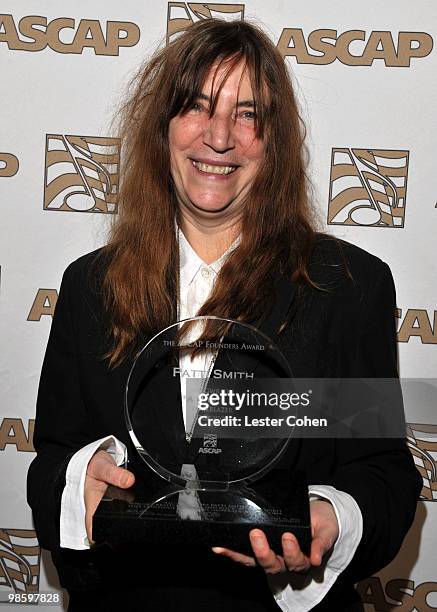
{"x":101,"y":472}
{"x":324,"y":529}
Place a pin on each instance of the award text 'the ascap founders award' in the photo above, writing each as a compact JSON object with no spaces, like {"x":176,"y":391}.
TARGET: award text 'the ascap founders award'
{"x":210,"y":457}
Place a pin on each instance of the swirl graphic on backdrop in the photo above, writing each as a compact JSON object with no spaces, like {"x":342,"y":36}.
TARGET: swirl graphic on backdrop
{"x":181,"y":15}
{"x":19,"y":561}
{"x":81,"y":173}
{"x":422,"y":442}
{"x":368,"y":187}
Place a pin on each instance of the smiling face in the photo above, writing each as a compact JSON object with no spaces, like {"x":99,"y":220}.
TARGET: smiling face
{"x":214,"y":160}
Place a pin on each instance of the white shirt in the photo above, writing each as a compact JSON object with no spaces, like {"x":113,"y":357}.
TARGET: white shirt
{"x":196,"y":280}
{"x":293,"y":592}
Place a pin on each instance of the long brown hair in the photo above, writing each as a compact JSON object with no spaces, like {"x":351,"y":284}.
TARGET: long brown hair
{"x":141,"y":279}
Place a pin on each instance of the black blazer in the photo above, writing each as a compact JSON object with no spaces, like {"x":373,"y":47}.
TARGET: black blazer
{"x":345,"y":328}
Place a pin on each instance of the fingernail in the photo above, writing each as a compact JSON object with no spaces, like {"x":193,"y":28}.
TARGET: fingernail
{"x":124,"y":480}
{"x":288,"y":545}
{"x":257,"y":542}
{"x":217,"y":550}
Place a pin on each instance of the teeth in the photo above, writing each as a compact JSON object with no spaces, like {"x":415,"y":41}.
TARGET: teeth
{"x":214,"y":169}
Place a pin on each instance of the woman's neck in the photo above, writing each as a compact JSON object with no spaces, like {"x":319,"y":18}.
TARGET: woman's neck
{"x":209,"y":242}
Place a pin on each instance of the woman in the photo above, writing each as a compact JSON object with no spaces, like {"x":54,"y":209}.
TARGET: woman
{"x":213,"y":141}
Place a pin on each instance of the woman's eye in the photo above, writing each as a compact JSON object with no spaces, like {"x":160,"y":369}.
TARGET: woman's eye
{"x":248,"y":115}
{"x":196,"y":107}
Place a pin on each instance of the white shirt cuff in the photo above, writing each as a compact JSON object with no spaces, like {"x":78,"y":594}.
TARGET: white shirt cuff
{"x":72,"y":520}
{"x":296,"y":592}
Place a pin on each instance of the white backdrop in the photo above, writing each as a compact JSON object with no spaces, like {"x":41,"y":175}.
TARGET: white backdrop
{"x":368,"y":101}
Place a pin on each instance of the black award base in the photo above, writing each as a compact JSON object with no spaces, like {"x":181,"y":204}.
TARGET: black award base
{"x":162,"y":514}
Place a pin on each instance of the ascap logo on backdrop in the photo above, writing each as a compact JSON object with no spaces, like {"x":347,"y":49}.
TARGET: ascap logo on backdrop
{"x":181,"y":15}
{"x":407,"y":594}
{"x":354,"y":47}
{"x":16,"y":432}
{"x":81,"y":173}
{"x":368,"y":187}
{"x":8,"y":164}
{"x":67,"y":35}
{"x":422,"y":442}
{"x":43,"y":304}
{"x":320,"y":47}
{"x":417,"y":322}
{"x":20,"y":556}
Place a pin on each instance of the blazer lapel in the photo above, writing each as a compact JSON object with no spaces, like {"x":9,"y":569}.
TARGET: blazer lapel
{"x":154,"y":390}
{"x":284,"y":290}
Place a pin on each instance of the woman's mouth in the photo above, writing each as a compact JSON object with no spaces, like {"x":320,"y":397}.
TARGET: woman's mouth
{"x":211,"y":169}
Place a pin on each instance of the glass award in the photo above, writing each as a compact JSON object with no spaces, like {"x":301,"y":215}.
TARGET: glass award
{"x":210,"y":458}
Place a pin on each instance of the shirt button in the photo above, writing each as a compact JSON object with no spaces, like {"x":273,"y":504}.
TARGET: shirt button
{"x":206,"y":273}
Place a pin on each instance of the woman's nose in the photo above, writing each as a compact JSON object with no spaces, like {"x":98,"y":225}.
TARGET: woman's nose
{"x":218,"y":133}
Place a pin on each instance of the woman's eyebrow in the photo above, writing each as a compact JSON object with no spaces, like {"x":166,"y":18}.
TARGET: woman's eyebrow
{"x":240,"y":103}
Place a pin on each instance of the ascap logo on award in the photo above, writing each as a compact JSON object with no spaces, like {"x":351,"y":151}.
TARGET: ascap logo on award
{"x":210,"y":445}
{"x":35,"y":33}
{"x":9,"y":164}
{"x":17,"y":432}
{"x":81,"y":173}
{"x":368,"y":187}
{"x":20,"y":557}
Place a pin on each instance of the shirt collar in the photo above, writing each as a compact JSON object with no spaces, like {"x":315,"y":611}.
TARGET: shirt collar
{"x":190,"y":263}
